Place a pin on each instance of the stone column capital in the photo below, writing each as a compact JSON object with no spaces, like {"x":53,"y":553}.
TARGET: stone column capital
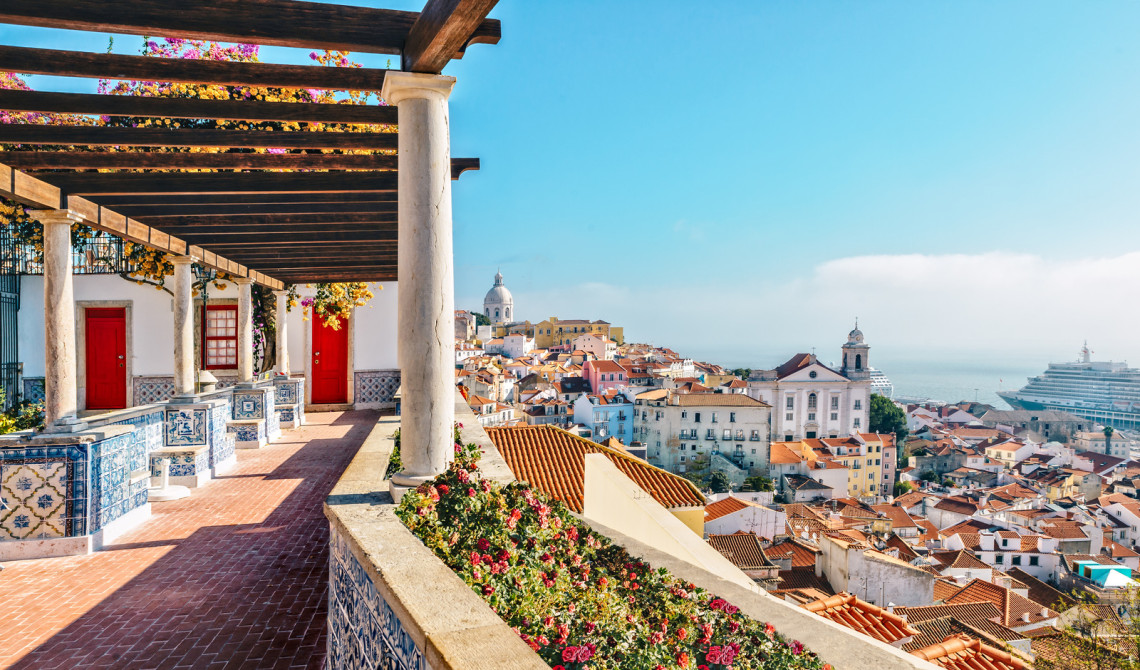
{"x":68,"y":216}
{"x":242,"y":281}
{"x":280,"y":292}
{"x":182,"y":260}
{"x":400,"y":86}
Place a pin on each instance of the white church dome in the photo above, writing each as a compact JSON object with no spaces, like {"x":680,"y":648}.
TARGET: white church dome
{"x":498,"y":293}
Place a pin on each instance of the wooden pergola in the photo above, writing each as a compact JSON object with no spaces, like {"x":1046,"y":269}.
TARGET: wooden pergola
{"x":335,"y":220}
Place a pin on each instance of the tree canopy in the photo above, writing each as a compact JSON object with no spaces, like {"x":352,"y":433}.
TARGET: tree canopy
{"x":887,"y":417}
{"x":719,"y":482}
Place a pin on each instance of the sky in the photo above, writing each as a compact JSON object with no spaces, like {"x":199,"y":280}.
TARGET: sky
{"x":741,"y":181}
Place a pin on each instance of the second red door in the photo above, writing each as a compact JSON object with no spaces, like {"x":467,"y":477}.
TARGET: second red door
{"x":106,"y":353}
{"x":330,"y":363}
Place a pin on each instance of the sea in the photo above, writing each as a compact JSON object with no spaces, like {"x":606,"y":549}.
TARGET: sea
{"x":947,"y":379}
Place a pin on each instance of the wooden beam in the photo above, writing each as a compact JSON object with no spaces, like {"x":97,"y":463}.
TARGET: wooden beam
{"x":443,"y":29}
{"x":221,"y":241}
{"x":156,"y":213}
{"x":170,"y":160}
{"x":307,"y":266}
{"x":96,"y":183}
{"x":180,"y":199}
{"x":461,"y":165}
{"x":193,"y":108}
{"x":23,"y":134}
{"x":270,"y":219}
{"x":287,"y":23}
{"x":37,"y":194}
{"x":270,"y":233}
{"x":189,"y":70}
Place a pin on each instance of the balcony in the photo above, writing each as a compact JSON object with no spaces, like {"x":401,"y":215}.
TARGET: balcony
{"x":385,"y":583}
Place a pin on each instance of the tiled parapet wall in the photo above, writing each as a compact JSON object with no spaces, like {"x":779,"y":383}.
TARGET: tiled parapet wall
{"x":392,"y":603}
{"x":187,"y":425}
{"x":375,"y":387}
{"x":250,"y":403}
{"x":289,"y":401}
{"x":115,"y":490}
{"x":43,"y":491}
{"x":247,"y":434}
{"x":272,"y":421}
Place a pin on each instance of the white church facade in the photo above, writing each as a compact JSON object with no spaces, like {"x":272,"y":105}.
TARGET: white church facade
{"x":499,"y":304}
{"x":812,"y":400}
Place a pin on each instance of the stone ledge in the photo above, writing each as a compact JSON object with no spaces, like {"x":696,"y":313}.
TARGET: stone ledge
{"x":835,"y":644}
{"x":449,"y":623}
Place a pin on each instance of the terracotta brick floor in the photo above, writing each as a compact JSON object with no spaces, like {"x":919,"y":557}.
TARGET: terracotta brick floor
{"x":233,"y":576}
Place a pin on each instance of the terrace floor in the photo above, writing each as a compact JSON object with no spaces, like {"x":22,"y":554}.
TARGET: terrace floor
{"x":236,"y":575}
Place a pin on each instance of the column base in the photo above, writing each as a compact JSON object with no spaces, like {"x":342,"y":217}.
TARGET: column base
{"x":401,"y":483}
{"x":68,"y":424}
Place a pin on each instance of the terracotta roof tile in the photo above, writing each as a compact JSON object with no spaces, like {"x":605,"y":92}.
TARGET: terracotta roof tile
{"x":1016,"y":609}
{"x":554,"y":461}
{"x":961,"y":652}
{"x":847,"y":610}
{"x":944,"y":589}
{"x":964,"y":612}
{"x":933,"y":631}
{"x":1040,"y":592}
{"x":726,"y":506}
{"x":802,"y":555}
{"x":743,"y":549}
{"x":803,"y":579}
{"x":718,"y":400}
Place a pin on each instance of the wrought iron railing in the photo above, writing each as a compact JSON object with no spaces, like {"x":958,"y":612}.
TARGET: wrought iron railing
{"x":100,"y":256}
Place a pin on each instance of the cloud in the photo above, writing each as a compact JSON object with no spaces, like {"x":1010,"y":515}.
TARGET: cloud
{"x":992,"y":305}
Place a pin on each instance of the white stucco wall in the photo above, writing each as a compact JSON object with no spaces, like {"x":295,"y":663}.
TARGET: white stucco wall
{"x":151,"y":341}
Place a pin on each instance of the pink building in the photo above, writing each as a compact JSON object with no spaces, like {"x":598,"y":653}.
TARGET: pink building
{"x":604,"y":375}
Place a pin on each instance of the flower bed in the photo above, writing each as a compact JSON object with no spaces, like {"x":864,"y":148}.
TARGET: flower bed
{"x":577,"y":599}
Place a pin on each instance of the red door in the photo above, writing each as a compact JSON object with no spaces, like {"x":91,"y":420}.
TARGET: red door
{"x":330,"y":363}
{"x":106,"y":358}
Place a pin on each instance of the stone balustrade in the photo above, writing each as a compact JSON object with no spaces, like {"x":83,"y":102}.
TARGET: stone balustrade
{"x":393,"y":604}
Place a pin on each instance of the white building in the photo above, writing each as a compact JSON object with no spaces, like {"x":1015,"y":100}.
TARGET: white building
{"x":602,"y":348}
{"x":353,"y":364}
{"x":676,"y":428}
{"x":499,"y":304}
{"x":512,"y":346}
{"x":811,"y":400}
{"x":733,"y":515}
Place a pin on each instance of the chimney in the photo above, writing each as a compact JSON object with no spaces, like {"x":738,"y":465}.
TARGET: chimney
{"x":1007,"y":583}
{"x":1025,"y":617}
{"x":1044,"y":611}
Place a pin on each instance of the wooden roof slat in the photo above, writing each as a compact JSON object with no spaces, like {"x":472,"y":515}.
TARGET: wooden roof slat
{"x":156,"y":213}
{"x":37,"y":194}
{"x":105,"y":183}
{"x":288,"y":23}
{"x":169,"y":160}
{"x":443,"y":29}
{"x":192,"y":137}
{"x":221,"y":241}
{"x":194,"y":108}
{"x":222,"y":73}
{"x":173,"y":199}
{"x":272,"y":219}
{"x":272,"y":232}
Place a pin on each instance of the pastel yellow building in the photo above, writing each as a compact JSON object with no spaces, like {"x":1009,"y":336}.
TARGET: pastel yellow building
{"x":555,"y":332}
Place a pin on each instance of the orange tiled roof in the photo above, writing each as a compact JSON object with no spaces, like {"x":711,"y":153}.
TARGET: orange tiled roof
{"x":933,"y":631}
{"x":554,"y":461}
{"x":967,"y":612}
{"x":804,"y":579}
{"x":728,"y":505}
{"x":960,"y":652}
{"x":944,"y":589}
{"x":1016,"y":609}
{"x":847,"y":610}
{"x":743,"y":549}
{"x":802,"y":556}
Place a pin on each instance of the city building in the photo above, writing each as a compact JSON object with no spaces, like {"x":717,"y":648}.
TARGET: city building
{"x":554,"y":332}
{"x":811,"y":400}
{"x":499,"y":304}
{"x":680,"y":428}
{"x":607,"y":414}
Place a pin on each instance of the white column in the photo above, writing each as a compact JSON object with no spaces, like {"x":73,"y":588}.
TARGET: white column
{"x":282,"y":332}
{"x":426,"y":276}
{"x":61,"y":396}
{"x":183,"y":325}
{"x":245,"y":329}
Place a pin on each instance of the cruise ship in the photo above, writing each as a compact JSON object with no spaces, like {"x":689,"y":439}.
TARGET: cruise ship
{"x":1107,"y":392}
{"x":880,"y":384}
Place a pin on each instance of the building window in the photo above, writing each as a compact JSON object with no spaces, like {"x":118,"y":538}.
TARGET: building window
{"x":871,"y":487}
{"x":714,"y":417}
{"x":740,"y":434}
{"x":727,"y":434}
{"x":753,"y":452}
{"x":1033,"y":560}
{"x":877,"y":462}
{"x":1016,"y":560}
{"x":755,"y":436}
{"x":811,"y":416}
{"x":835,"y":402}
{"x":788,"y":437}
{"x":732,"y":417}
{"x":682,"y":447}
{"x":856,"y":423}
{"x":684,"y":414}
{"x":835,"y":416}
{"x":219,"y":337}
{"x":858,"y":405}
{"x":999,"y":559}
{"x":790,"y":403}
{"x":788,"y":416}
{"x":697,"y":417}
{"x":811,"y":401}
{"x":682,"y":459}
{"x":710,"y":435}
